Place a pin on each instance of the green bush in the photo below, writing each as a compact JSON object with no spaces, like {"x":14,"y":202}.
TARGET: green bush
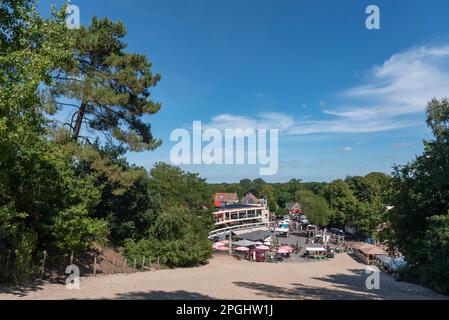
{"x":176,"y":238}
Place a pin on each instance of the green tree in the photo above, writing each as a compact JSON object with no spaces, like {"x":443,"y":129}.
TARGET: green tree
{"x":369,"y":212}
{"x":419,"y":220}
{"x":267,"y":192}
{"x":342,"y":203}
{"x":111,"y":86}
{"x":281,"y":212}
{"x":315,"y":207}
{"x":42,"y":204}
{"x":178,"y":188}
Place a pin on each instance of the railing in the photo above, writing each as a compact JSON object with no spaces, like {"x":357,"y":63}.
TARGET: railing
{"x":227,"y":230}
{"x":238,"y":219}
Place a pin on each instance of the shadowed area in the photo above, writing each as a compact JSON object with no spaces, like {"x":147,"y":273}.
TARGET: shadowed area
{"x":163,"y":295}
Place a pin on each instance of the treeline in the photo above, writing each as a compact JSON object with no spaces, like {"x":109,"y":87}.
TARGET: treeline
{"x":65,"y":186}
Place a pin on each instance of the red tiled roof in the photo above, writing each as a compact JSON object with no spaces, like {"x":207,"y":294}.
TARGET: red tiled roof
{"x":251,"y":196}
{"x":226,"y":197}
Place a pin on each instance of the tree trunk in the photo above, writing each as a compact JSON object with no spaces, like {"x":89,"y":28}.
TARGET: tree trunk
{"x":79,"y":121}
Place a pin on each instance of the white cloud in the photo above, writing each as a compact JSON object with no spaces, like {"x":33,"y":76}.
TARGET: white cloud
{"x":266,"y":120}
{"x":401,"y":86}
{"x":346,"y":149}
{"x":390,"y":98}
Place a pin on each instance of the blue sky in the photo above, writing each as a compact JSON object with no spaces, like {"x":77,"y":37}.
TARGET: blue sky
{"x":347,"y":100}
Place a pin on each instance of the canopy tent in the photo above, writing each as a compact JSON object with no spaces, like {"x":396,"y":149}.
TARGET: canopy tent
{"x":373,"y":250}
{"x":315,"y":249}
{"x":262,"y":247}
{"x":242,"y":249}
{"x":238,"y":233}
{"x":360,"y":245}
{"x":259,"y":235}
{"x":245,"y":243}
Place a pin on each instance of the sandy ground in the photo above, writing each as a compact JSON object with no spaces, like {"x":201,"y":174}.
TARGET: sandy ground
{"x":226,"y":278}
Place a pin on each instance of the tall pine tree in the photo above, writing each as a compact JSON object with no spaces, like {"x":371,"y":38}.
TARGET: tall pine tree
{"x":110,"y":87}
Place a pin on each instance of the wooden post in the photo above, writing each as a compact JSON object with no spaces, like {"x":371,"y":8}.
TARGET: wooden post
{"x":150,"y":263}
{"x":158,"y":263}
{"x":230,"y":242}
{"x":43,"y":264}
{"x":135,"y":263}
{"x":124,"y":263}
{"x":95,"y":266}
{"x":143,"y":263}
{"x":71,"y":257}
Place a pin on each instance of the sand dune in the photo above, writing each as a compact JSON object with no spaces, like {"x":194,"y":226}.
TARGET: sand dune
{"x":226,"y":278}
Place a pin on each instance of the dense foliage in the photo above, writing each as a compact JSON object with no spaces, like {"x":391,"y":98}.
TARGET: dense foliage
{"x":179,"y":234}
{"x":420,"y":218}
{"x":61,"y":195}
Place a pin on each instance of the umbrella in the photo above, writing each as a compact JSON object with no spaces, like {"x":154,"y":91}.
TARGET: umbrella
{"x":224,"y":241}
{"x":241,"y":249}
{"x":283,"y":251}
{"x":262,"y":247}
{"x":223,"y":248}
{"x":219,"y":244}
{"x":287,"y":248}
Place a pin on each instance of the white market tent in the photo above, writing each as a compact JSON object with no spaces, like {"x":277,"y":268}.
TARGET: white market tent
{"x":245,"y":243}
{"x":315,"y":249}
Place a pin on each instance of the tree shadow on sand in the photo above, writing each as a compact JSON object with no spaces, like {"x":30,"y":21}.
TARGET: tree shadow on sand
{"x":390,"y":289}
{"x":301,"y":292}
{"x":343,"y":287}
{"x":21,"y":290}
{"x":163,"y":295}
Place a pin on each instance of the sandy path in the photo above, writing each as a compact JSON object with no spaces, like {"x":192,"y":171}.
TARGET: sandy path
{"x":226,"y":278}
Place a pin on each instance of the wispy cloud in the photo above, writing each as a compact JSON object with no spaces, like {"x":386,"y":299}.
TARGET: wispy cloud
{"x":401,"y":86}
{"x":390,"y":97}
{"x":266,"y":120}
{"x":346,"y":149}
